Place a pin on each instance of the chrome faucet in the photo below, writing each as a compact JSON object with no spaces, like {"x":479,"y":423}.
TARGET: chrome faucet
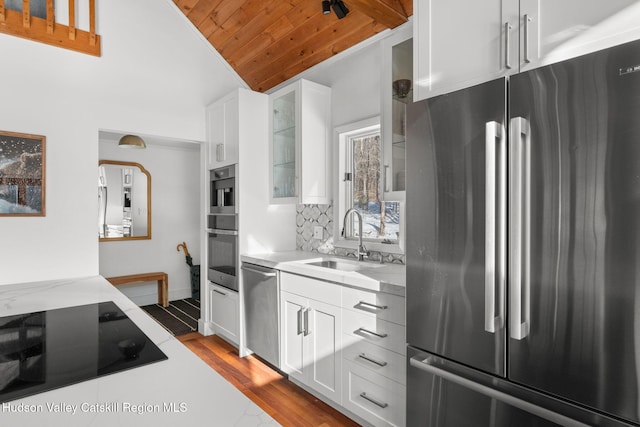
{"x":362,"y":251}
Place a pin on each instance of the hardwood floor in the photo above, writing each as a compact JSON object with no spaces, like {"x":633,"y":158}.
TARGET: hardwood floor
{"x":287,"y":403}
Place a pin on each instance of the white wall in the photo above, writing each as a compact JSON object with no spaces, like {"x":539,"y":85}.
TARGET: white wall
{"x":175,"y":206}
{"x":155,"y":76}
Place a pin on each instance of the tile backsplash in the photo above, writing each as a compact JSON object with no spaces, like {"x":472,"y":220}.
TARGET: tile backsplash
{"x":310,"y":216}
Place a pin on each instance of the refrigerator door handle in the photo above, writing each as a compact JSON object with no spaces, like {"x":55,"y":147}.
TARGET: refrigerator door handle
{"x":428,"y":365}
{"x":495,"y":225}
{"x":520,"y":195}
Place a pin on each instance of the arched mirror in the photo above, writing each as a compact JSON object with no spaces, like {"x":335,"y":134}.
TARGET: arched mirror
{"x":124,"y":196}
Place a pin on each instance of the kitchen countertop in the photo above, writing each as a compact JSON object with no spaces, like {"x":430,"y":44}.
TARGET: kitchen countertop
{"x":389,"y":278}
{"x":182,"y":390}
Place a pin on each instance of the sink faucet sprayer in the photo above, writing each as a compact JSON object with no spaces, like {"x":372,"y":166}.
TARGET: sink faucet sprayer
{"x":362,"y":251}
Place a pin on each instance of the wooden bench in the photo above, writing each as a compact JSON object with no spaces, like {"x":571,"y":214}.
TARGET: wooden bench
{"x":162,"y":278}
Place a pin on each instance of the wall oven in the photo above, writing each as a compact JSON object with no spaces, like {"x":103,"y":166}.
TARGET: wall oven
{"x":222,"y":229}
{"x":223,"y":258}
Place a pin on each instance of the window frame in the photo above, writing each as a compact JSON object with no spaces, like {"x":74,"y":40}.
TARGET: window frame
{"x":342,"y":135}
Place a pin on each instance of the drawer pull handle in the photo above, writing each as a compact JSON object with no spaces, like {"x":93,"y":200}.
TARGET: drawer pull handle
{"x":300,"y":327}
{"x":306,"y":322}
{"x":368,"y":306}
{"x":375,"y":402}
{"x":368,"y":332}
{"x":219,"y":292}
{"x":368,"y":359}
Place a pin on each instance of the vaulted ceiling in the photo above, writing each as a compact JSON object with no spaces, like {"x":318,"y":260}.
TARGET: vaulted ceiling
{"x":270,"y":41}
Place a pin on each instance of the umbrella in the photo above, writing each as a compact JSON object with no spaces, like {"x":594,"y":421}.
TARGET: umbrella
{"x":188,"y":259}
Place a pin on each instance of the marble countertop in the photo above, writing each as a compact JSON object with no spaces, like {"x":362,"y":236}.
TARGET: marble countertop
{"x":389,"y":278}
{"x":180,"y":391}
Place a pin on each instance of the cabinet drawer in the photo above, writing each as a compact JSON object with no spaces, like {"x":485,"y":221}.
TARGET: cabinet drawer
{"x":358,"y":327}
{"x":378,"y":400}
{"x":383,"y":306}
{"x":376,"y":359}
{"x":223,"y":311}
{"x":307,"y":287}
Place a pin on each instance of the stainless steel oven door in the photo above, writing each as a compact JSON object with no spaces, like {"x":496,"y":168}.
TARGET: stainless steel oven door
{"x":223,"y":258}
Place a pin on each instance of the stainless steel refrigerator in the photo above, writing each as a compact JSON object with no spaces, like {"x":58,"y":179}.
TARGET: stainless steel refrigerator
{"x":523,"y":248}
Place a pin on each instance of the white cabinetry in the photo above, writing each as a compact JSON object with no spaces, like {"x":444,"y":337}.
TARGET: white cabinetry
{"x":222,"y":131}
{"x":300,"y":124}
{"x":310,"y":333}
{"x":397,"y":72}
{"x":458,"y":43}
{"x":374,"y":365}
{"x":562,"y":29}
{"x":347,"y":344}
{"x":260,"y":228}
{"x":222,"y":311}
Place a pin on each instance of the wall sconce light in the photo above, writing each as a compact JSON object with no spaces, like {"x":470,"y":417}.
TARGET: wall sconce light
{"x":338,"y":6}
{"x":131,"y":141}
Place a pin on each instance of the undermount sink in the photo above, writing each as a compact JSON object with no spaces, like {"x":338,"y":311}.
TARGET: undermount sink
{"x":342,"y":265}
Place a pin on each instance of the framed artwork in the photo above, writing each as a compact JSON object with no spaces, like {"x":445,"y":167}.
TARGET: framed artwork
{"x":22,"y":174}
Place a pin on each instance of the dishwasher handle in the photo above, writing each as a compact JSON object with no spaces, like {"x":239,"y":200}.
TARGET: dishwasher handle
{"x":263,"y":271}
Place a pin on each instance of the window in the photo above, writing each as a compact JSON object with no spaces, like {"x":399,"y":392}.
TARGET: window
{"x":361,"y":174}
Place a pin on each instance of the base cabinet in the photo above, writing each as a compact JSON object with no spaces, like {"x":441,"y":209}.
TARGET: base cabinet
{"x":346,"y":344}
{"x":222,"y":313}
{"x":310,"y":342}
{"x":374,"y":367}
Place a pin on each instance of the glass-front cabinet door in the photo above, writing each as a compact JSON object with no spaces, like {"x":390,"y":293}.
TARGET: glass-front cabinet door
{"x":299,"y":143}
{"x":397,"y":92}
{"x":283,"y":146}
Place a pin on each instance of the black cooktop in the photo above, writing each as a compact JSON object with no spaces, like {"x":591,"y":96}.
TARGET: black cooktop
{"x":49,"y":349}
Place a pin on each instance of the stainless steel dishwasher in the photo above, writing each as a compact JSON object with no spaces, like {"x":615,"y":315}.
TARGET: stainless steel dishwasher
{"x":260,"y":297}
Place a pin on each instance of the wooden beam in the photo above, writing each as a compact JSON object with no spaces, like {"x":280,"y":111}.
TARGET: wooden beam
{"x":72,"y":19}
{"x":26,"y":14}
{"x":1,"y":10}
{"x":92,"y":22}
{"x":50,"y":17}
{"x":389,"y":13}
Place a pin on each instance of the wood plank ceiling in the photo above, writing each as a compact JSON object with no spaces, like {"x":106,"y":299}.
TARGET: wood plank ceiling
{"x":270,"y":41}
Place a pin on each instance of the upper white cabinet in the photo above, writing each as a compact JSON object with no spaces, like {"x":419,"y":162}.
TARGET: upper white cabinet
{"x":554,"y":31}
{"x":222,"y":131}
{"x":397,"y":91}
{"x":458,"y":43}
{"x":299,"y":143}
